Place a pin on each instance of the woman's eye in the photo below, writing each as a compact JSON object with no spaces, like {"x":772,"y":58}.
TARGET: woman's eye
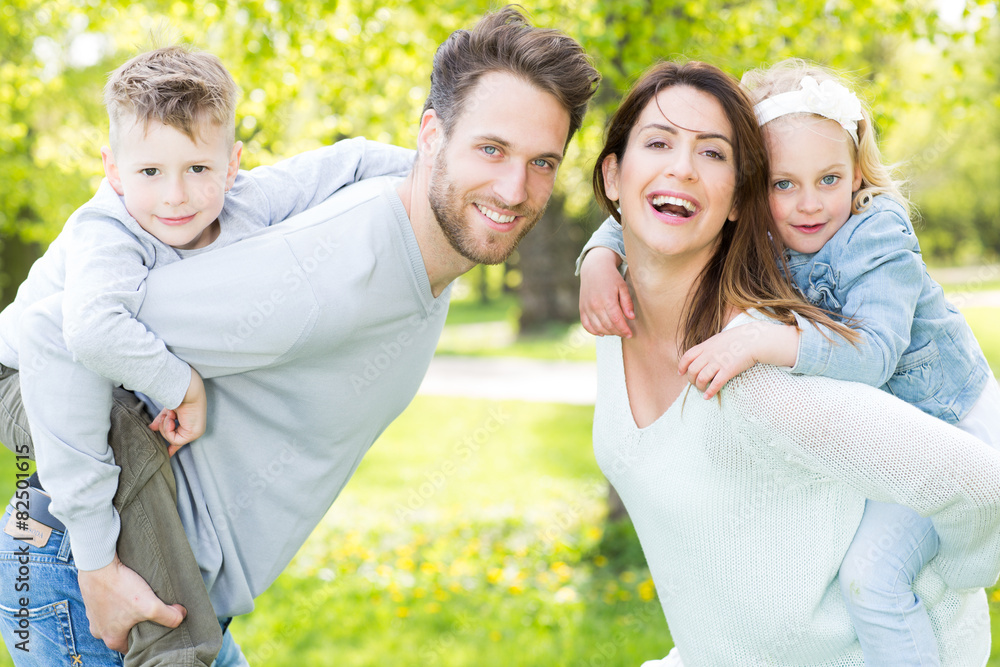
{"x":657,"y":144}
{"x":829,"y":180}
{"x":715,"y":155}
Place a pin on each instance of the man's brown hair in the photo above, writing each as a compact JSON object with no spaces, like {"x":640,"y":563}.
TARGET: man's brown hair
{"x":177,"y":86}
{"x":504,"y":41}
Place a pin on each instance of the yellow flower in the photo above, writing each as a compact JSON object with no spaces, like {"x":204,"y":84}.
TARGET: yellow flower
{"x":600,"y":561}
{"x":495,"y":635}
{"x":995,"y":596}
{"x":402,"y":612}
{"x":647,"y":590}
{"x":628,"y":576}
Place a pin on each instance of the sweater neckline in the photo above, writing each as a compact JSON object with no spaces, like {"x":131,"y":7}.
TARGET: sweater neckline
{"x":622,"y":382}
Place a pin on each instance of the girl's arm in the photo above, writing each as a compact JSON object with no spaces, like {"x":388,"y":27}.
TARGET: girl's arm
{"x":879,"y":276}
{"x":605,"y":302}
{"x":887,"y":450}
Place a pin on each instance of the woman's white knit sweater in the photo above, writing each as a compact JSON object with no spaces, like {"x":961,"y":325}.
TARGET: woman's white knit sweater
{"x":746,"y":506}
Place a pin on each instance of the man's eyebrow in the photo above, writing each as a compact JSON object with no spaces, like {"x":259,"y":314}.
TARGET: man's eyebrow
{"x":670,"y":129}
{"x":503,"y":143}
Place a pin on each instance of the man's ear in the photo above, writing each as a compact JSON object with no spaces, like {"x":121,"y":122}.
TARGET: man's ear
{"x":430,"y":135}
{"x":111,"y":171}
{"x":234,"y":164}
{"x":609,"y":168}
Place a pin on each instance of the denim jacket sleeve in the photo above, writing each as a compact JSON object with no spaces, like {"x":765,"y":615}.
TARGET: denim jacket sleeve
{"x":873,"y":274}
{"x":608,"y":235}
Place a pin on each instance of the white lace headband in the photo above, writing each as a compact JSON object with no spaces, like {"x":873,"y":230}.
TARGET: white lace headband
{"x":828,"y":99}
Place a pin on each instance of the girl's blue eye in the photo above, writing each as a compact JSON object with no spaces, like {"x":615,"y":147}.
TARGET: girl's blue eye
{"x":829,"y":180}
{"x":783,"y":185}
{"x":149,"y":171}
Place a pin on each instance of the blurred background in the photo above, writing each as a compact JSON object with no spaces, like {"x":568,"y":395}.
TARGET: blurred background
{"x":479,"y":530}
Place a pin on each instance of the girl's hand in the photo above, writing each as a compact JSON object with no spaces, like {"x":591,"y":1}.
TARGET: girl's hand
{"x":710,"y":365}
{"x":605,"y":302}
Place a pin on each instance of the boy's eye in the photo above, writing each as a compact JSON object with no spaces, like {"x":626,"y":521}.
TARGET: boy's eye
{"x":783,"y":185}
{"x":198,"y":168}
{"x":149,"y":171}
{"x":829,"y":179}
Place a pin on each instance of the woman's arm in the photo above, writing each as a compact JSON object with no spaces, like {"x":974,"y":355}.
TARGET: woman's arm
{"x":886,"y":450}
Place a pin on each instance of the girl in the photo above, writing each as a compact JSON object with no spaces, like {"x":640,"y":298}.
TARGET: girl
{"x":851,"y":250}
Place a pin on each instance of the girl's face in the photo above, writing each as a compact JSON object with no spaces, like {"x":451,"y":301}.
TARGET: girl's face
{"x":676,"y":180}
{"x":813,"y":179}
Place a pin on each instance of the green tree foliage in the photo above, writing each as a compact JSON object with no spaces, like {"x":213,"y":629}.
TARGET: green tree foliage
{"x":315,"y":71}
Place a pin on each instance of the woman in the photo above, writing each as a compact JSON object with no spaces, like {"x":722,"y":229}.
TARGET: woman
{"x":745,"y":506}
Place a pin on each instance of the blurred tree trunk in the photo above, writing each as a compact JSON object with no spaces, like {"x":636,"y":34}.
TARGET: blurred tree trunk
{"x":16,"y":257}
{"x":549,"y":288}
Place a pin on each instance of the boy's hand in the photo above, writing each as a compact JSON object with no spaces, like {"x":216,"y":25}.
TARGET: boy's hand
{"x":710,"y":365}
{"x":116,"y":599}
{"x":187,"y":422}
{"x":604,"y":298}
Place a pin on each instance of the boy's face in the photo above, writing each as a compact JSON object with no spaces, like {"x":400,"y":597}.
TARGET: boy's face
{"x":813,"y":178}
{"x":174,"y":187}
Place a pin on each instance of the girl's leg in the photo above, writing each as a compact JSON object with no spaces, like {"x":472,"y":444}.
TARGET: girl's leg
{"x":892,"y":544}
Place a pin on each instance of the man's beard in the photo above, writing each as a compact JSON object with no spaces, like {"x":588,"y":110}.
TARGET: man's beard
{"x":451,"y":211}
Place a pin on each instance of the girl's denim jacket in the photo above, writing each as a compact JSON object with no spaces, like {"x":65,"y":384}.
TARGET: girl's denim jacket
{"x":914,"y":344}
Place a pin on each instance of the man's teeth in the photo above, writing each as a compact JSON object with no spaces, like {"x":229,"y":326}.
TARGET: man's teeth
{"x":663,"y":200}
{"x":494,"y":216}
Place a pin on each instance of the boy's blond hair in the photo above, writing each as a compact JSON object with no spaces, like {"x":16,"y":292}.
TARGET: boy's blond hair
{"x":876,"y":176}
{"x":175,"y":85}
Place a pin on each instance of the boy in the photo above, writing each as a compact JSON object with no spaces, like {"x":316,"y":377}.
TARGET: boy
{"x":173,"y":190}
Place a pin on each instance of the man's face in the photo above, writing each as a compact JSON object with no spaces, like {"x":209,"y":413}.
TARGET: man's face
{"x":492,"y":177}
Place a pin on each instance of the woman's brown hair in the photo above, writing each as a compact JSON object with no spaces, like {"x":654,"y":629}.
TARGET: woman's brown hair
{"x":746,"y":270}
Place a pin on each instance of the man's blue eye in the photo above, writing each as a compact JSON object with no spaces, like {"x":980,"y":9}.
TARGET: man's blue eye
{"x":490,"y":150}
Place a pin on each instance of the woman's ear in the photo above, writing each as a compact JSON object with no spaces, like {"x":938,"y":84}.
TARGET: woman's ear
{"x":609,"y":169}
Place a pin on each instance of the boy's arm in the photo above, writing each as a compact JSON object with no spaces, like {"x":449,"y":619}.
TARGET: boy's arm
{"x":710,"y":365}
{"x":106,"y":268}
{"x":880,"y":280}
{"x":605,"y":302}
{"x":300,"y":182}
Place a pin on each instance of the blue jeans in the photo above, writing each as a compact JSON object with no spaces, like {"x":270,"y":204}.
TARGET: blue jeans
{"x":48,"y":618}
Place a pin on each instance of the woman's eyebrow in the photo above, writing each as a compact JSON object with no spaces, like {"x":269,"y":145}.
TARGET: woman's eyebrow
{"x":673,"y":130}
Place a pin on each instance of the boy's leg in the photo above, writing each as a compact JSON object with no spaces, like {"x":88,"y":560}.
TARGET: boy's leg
{"x":153,"y":543}
{"x":891,"y":545}
{"x":14,"y":432}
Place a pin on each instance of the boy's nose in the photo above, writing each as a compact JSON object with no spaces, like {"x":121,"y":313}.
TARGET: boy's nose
{"x":175,"y":193}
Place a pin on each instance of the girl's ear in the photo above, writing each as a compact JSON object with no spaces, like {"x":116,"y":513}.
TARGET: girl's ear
{"x":609,"y":169}
{"x":111,"y":171}
{"x":856,"y":183}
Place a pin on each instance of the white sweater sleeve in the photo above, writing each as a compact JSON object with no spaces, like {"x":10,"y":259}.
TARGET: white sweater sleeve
{"x":888,"y":451}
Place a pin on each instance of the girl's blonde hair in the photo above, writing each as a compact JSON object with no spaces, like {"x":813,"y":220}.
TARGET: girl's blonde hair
{"x":876,"y":176}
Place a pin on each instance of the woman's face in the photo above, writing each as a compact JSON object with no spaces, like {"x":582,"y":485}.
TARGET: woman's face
{"x":676,"y":180}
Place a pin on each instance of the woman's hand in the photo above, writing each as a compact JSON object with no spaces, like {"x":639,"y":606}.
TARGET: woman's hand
{"x":605,"y":302}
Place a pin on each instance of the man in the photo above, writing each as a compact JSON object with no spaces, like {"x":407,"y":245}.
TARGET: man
{"x":314,"y":336}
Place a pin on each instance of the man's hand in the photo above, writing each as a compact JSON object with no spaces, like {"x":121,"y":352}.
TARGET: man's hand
{"x":604,"y":298}
{"x":710,"y":365}
{"x":187,"y":422}
{"x":117,"y":599}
